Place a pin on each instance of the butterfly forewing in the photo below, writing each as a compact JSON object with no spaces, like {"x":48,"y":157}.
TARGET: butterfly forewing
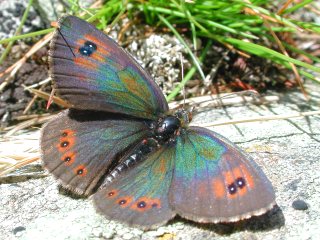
{"x":214,"y":181}
{"x":90,"y":71}
{"x":78,"y":147}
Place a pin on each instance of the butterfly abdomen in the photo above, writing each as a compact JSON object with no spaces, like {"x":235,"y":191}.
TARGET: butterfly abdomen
{"x":139,"y":153}
{"x":165,"y":131}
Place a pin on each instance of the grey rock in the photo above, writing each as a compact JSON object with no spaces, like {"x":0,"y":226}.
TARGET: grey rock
{"x":10,"y":18}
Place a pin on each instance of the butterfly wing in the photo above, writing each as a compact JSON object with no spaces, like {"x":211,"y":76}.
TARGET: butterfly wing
{"x":92,"y":72}
{"x":139,"y":196}
{"x":78,"y":147}
{"x":214,"y":181}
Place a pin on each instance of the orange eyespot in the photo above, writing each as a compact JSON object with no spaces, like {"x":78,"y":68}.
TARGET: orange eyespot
{"x":113,"y":193}
{"x":237,"y":182}
{"x":81,"y":171}
{"x":68,"y":158}
{"x":124,"y":201}
{"x":66,"y":140}
{"x":145,"y":203}
{"x":102,"y":47}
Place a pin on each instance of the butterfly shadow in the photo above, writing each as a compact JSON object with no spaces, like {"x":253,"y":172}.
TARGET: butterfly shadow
{"x":70,"y":193}
{"x":273,"y":219}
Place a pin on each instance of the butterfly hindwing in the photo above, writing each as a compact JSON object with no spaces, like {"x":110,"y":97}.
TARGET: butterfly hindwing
{"x":78,"y":147}
{"x":92,"y":72}
{"x":214,"y":181}
{"x":139,"y":196}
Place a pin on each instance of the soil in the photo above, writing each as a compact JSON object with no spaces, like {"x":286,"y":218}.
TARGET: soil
{"x":14,"y":99}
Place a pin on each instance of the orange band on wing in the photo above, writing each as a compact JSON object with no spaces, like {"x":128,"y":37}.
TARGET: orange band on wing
{"x":85,"y":63}
{"x":247,"y":176}
{"x":219,"y":188}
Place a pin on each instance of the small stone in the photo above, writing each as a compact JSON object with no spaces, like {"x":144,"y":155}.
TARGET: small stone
{"x":18,"y":230}
{"x":300,"y":205}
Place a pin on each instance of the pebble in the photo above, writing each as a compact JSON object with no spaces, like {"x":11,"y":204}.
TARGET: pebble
{"x":299,"y":205}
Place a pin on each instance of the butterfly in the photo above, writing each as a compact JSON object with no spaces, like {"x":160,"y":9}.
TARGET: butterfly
{"x":120,"y":142}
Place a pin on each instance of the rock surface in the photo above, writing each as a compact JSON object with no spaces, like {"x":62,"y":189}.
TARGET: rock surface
{"x":287,"y":150}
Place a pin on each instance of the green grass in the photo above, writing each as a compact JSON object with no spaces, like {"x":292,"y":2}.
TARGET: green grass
{"x":227,"y":22}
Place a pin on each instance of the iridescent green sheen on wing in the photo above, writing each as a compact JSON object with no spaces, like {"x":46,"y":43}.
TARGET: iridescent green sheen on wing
{"x":215,"y":181}
{"x":105,"y":78}
{"x":148,"y":182}
{"x":196,"y":153}
{"x":127,"y":90}
{"x":93,"y":141}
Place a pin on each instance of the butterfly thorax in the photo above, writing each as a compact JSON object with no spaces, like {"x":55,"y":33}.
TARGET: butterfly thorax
{"x":167,"y":128}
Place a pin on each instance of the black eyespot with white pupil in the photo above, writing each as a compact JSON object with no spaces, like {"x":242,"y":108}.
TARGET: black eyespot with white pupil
{"x":88,"y":48}
{"x":141,"y":204}
{"x":64,"y":144}
{"x":80,"y":171}
{"x":240,"y":182}
{"x":232,"y":188}
{"x":67,"y":159}
{"x":123,"y":201}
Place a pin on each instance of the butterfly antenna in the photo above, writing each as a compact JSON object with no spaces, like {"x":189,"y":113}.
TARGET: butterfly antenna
{"x":182,"y":77}
{"x":66,"y":42}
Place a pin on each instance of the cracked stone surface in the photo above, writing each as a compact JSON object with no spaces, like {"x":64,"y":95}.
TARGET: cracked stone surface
{"x":288,"y":151}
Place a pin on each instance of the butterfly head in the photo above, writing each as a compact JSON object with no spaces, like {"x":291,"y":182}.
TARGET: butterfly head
{"x":185,"y":116}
